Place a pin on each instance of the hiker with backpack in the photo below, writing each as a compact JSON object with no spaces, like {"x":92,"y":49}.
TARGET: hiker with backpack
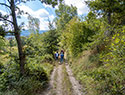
{"x":61,"y":56}
{"x":56,"y":55}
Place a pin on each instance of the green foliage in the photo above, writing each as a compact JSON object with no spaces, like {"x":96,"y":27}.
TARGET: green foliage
{"x":51,"y":2}
{"x":47,"y":57}
{"x":8,"y":92}
{"x":50,"y":42}
{"x":32,"y":45}
{"x":41,"y":45}
{"x":93,"y":22}
{"x":33,"y":24}
{"x":2,"y":32}
{"x":35,"y":79}
{"x":37,"y":72}
{"x":64,"y":14}
{"x":75,"y":36}
{"x":2,"y":43}
{"x":101,"y":73}
{"x":113,"y":9}
{"x":107,"y":79}
{"x":102,"y":70}
{"x":37,"y":64}
{"x":116,"y":51}
{"x":108,"y":5}
{"x":47,"y":68}
{"x":9,"y":75}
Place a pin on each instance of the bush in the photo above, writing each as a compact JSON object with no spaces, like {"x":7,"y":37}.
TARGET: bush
{"x":9,"y":75}
{"x":106,"y":79}
{"x":35,"y":79}
{"x":75,"y":36}
{"x":37,"y":72}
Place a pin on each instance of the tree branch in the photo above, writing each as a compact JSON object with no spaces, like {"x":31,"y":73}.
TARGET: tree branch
{"x":9,"y":32}
{"x":5,"y":5}
{"x":8,"y":1}
{"x":17,"y":3}
{"x":4,"y":19}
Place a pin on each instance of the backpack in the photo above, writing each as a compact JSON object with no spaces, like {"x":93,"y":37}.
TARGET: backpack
{"x":57,"y":54}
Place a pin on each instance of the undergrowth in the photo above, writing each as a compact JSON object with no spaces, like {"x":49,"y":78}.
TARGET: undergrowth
{"x":104,"y":79}
{"x":35,"y":79}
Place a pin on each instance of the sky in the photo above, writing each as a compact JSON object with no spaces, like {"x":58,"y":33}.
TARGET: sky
{"x":43,"y":11}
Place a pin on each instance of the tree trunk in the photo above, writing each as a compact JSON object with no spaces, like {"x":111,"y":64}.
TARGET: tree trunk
{"x":18,"y":39}
{"x":109,"y":18}
{"x":108,"y":32}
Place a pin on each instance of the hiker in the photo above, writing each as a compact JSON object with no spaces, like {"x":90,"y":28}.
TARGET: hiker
{"x":61,"y":56}
{"x":56,"y":55}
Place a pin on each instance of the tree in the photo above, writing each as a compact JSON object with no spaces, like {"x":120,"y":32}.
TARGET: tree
{"x":51,"y":2}
{"x":11,"y":5}
{"x":50,"y":40}
{"x":107,"y":8}
{"x":2,"y":32}
{"x":33,"y":24}
{"x":2,"y":43}
{"x":75,"y":35}
{"x":64,"y":14}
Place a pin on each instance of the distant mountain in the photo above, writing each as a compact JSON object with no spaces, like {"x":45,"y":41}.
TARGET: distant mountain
{"x":27,"y":32}
{"x":24,"y":33}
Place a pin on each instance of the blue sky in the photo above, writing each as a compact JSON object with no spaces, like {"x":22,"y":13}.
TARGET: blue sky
{"x":43,"y":11}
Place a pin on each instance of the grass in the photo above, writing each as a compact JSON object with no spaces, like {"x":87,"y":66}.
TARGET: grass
{"x":80,"y":67}
{"x":96,"y":77}
{"x":67,"y":86}
{"x":55,"y":78}
{"x":5,"y":56}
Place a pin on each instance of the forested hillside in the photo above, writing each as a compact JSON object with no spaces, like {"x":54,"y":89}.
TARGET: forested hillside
{"x":94,"y":47}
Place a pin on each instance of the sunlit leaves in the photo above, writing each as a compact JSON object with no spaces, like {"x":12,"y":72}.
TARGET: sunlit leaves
{"x":75,"y":36}
{"x":50,"y":42}
{"x":33,"y":24}
{"x":51,"y":2}
{"x":64,"y":14}
{"x":108,"y":8}
{"x":2,"y":42}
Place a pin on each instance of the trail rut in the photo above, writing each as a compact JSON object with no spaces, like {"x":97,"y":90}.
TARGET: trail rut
{"x":77,"y":88}
{"x":56,"y":82}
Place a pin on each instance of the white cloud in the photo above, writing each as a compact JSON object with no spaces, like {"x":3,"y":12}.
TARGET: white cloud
{"x":45,"y":5}
{"x":9,"y":26}
{"x":38,"y":13}
{"x":4,"y":13}
{"x":43,"y":25}
{"x":41,"y":14}
{"x":1,"y":22}
{"x":80,"y":4}
{"x":51,"y":17}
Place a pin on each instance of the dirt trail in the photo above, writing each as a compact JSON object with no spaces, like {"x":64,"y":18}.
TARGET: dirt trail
{"x":59,"y":81}
{"x":77,"y":88}
{"x":51,"y":89}
{"x":56,"y":86}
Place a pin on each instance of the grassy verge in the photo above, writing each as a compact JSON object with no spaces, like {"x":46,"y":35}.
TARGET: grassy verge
{"x":98,"y":78}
